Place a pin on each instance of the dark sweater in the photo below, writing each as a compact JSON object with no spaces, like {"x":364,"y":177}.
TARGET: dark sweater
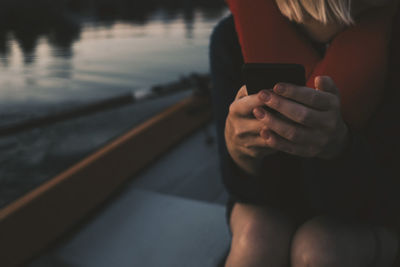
{"x":346,"y":185}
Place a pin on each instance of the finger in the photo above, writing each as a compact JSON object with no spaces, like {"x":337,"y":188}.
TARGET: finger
{"x":247,"y":128}
{"x":257,"y":152}
{"x":316,"y":99}
{"x":293,"y":132}
{"x":296,"y":112}
{"x":243,"y":107}
{"x":247,"y":133}
{"x":326,"y":84}
{"x":257,"y":143}
{"x":276,"y":142}
{"x":256,"y":147}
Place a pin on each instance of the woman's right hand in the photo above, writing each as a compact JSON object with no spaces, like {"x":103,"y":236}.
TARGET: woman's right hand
{"x":243,"y":132}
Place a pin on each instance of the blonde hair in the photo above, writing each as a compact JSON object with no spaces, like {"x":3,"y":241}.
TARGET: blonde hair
{"x":324,"y":11}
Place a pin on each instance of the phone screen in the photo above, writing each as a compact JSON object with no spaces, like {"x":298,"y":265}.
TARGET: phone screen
{"x":258,"y":76}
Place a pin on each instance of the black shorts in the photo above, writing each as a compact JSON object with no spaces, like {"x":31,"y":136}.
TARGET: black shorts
{"x":367,"y":199}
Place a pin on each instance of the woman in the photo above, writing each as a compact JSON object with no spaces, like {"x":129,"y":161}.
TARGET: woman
{"x":316,"y":186}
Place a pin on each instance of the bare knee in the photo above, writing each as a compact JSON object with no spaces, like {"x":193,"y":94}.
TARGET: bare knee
{"x":263,"y":230}
{"x":260,"y":237}
{"x":324,"y":241}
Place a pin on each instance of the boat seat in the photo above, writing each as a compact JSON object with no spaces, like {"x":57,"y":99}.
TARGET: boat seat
{"x":146,"y":229}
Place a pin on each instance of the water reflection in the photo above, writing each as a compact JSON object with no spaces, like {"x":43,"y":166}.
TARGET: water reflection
{"x":61,"y":22}
{"x":76,"y":50}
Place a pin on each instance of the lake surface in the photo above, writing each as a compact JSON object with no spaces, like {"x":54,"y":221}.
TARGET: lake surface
{"x":97,"y":49}
{"x":55,"y":55}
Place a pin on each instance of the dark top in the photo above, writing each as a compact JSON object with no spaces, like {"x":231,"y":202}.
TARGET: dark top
{"x":317,"y":184}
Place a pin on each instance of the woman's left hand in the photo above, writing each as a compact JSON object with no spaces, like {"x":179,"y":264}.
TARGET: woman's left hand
{"x":311,"y":125}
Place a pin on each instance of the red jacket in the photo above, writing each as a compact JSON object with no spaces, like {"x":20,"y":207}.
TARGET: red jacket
{"x":363,"y":180}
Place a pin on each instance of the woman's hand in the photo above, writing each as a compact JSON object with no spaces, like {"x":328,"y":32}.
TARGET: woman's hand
{"x":309,"y":124}
{"x":242,"y":132}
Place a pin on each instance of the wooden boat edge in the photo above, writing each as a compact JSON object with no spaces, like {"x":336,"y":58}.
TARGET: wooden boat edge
{"x":25,"y":225}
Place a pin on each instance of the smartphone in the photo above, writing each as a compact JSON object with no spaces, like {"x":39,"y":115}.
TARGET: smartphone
{"x":258,"y":76}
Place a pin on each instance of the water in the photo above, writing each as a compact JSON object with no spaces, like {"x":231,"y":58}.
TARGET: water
{"x":95,"y":50}
{"x":58,"y":54}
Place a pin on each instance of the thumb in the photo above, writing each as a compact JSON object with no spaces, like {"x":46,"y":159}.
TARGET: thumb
{"x":326,"y":84}
{"x":241,"y":93}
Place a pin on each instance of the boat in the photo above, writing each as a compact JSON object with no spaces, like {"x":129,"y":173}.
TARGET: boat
{"x":150,"y":197}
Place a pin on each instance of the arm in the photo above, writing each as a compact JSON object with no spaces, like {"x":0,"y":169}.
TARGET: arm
{"x":226,"y":61}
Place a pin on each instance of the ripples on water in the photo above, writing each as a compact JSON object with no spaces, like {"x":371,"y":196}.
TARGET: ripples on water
{"x":66,"y":52}
{"x":59,"y":54}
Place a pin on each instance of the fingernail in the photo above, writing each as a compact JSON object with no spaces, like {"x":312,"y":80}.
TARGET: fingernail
{"x":265,"y":95}
{"x":258,"y":113}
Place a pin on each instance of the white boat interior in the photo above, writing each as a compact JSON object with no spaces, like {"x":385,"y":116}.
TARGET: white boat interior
{"x":171,"y":214}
